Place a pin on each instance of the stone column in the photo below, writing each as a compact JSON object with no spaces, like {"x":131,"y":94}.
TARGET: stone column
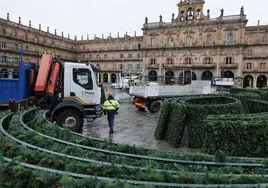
{"x":218,"y":66}
{"x":10,"y":75}
{"x":109,"y":77}
{"x":254,"y":82}
{"x":119,"y":77}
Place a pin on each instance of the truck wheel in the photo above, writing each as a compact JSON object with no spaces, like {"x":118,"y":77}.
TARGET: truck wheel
{"x":154,"y":106}
{"x":72,"y":119}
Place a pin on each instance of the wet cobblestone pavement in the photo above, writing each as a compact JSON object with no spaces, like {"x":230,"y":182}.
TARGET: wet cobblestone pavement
{"x":132,"y":126}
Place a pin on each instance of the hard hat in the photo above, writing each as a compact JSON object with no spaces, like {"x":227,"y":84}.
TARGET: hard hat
{"x":110,"y":94}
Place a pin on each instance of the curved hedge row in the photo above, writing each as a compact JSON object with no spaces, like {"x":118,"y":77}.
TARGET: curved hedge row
{"x":189,"y":111}
{"x":239,"y":135}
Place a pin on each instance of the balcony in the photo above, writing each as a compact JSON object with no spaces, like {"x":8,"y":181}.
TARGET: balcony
{"x":255,"y":70}
{"x":229,"y":66}
{"x":153,"y":66}
{"x":194,"y":65}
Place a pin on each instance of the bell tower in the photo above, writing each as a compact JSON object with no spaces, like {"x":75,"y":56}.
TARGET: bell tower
{"x":190,"y":10}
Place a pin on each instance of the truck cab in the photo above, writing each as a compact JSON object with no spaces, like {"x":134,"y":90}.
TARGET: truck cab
{"x":81,"y":96}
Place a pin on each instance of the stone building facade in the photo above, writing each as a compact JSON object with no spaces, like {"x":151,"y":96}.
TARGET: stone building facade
{"x":191,"y":46}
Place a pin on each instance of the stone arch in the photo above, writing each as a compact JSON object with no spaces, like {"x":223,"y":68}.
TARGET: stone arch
{"x":113,"y":78}
{"x":248,"y":81}
{"x":228,"y":74}
{"x":186,"y":77}
{"x":153,"y":76}
{"x":4,"y":73}
{"x":262,"y":81}
{"x":169,"y":76}
{"x":207,"y":75}
{"x":105,"y":78}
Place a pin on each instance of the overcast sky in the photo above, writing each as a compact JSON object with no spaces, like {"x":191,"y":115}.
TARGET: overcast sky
{"x":82,"y":17}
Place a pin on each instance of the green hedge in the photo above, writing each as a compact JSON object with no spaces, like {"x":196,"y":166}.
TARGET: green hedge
{"x":207,"y":106}
{"x":262,"y":92}
{"x":257,"y":106}
{"x":176,"y":124}
{"x":237,"y":138}
{"x":245,"y":97}
{"x":189,"y":111}
{"x":163,"y":120}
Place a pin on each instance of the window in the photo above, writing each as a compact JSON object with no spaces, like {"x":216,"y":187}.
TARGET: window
{"x":121,"y":55}
{"x":169,"y":61}
{"x":188,"y":60}
{"x":121,"y":66}
{"x":139,"y":46}
{"x":15,"y":35}
{"x":153,"y":42}
{"x":249,"y":52}
{"x":209,"y":40}
{"x":170,"y":42}
{"x":105,"y":56}
{"x":83,"y":78}
{"x":198,"y":14}
{"x":228,"y":60}
{"x":26,"y":37}
{"x":249,"y":65}
{"x":129,"y":55}
{"x":98,"y":57}
{"x":188,"y":41}
{"x":4,"y":59}
{"x":208,"y":60}
{"x":182,"y":16}
{"x":138,"y":55}
{"x":153,"y":61}
{"x":3,"y":45}
{"x":3,"y":32}
{"x":138,"y":66}
{"x":129,"y":66}
{"x":190,"y":13}
{"x":35,"y":40}
{"x":264,"y":39}
{"x":230,"y":38}
{"x":263,"y":66}
{"x":90,"y":57}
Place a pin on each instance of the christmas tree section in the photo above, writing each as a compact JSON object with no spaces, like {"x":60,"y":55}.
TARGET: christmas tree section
{"x":53,"y":130}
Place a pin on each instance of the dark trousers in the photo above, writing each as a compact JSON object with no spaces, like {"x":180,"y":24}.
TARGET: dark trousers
{"x":110,"y":117}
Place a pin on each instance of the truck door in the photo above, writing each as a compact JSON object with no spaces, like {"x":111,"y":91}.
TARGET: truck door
{"x":82,"y":85}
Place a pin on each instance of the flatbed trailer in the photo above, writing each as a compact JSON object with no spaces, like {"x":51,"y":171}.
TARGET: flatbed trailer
{"x":150,"y":95}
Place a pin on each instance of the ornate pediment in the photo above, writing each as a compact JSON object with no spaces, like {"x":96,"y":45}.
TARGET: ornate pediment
{"x":170,"y":33}
{"x":189,"y":32}
{"x":231,"y":28}
{"x":210,"y":30}
{"x":153,"y":34}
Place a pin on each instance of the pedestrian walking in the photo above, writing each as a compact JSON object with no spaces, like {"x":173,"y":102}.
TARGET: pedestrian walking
{"x":110,"y":108}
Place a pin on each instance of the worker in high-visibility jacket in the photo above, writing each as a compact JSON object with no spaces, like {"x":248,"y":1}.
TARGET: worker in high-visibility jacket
{"x":110,"y":107}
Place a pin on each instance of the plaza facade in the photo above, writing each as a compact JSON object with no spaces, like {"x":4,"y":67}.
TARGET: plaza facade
{"x":192,"y":46}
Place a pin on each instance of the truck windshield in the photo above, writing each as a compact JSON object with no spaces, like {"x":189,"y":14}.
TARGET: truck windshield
{"x":83,"y":78}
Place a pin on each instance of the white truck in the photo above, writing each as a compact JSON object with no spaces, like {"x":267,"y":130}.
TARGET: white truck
{"x":149,"y":95}
{"x":223,"y":84}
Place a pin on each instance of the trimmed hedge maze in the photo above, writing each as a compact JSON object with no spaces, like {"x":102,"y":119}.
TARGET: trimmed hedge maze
{"x":235,"y":124}
{"x":37,"y":153}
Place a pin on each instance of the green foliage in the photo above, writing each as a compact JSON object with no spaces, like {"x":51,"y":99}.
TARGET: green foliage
{"x":163,"y":120}
{"x":176,"y":124}
{"x":257,"y":106}
{"x":245,"y":97}
{"x":220,"y":156}
{"x":237,"y":138}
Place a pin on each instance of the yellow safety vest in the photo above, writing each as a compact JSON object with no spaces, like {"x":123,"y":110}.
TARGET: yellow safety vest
{"x":110,"y":106}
